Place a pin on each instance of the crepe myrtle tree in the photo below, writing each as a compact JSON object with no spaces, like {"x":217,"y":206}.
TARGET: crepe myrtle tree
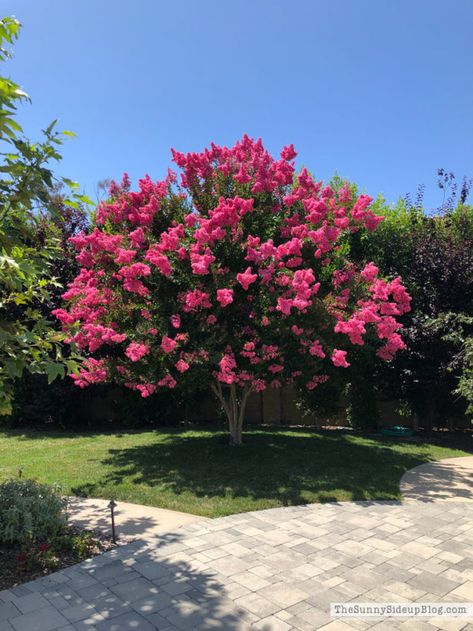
{"x":237,"y":271}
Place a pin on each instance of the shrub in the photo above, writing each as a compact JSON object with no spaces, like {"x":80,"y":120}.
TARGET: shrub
{"x":362,"y":410}
{"x":30,"y":511}
{"x":434,"y":256}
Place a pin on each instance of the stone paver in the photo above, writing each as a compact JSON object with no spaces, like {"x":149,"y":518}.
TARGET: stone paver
{"x":444,"y":480}
{"x":273,"y":570}
{"x":45,"y":619}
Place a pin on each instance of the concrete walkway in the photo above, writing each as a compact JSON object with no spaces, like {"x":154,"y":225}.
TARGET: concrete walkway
{"x":131,"y":520}
{"x":444,"y":480}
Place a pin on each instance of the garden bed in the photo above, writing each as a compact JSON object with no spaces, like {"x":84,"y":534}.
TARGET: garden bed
{"x":22,"y":564}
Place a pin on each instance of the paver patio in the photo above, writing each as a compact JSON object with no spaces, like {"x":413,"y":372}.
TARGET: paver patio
{"x":272,"y":570}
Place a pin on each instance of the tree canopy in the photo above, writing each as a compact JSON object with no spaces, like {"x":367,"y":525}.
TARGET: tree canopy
{"x":235,"y":273}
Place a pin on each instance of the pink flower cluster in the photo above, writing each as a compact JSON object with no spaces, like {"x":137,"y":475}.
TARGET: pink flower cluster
{"x":92,"y":371}
{"x":135,"y":351}
{"x":227,"y":366}
{"x":225,"y":296}
{"x":389,"y":299}
{"x":316,"y":380}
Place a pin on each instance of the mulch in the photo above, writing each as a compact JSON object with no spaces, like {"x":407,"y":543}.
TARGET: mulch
{"x":15,"y":571}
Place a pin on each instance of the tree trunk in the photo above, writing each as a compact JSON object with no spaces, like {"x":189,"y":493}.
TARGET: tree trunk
{"x":234,"y":407}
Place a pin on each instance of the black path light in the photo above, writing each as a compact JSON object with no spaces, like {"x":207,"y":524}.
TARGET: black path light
{"x":111,"y":506}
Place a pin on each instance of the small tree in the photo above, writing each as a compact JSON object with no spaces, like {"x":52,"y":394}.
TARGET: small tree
{"x":28,"y":341}
{"x":237,"y":274}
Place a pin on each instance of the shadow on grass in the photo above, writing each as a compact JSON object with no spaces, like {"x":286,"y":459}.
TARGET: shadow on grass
{"x":286,"y":467}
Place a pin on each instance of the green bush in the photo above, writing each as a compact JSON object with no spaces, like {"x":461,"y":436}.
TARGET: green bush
{"x":433,"y":254}
{"x":30,"y":511}
{"x":362,"y":410}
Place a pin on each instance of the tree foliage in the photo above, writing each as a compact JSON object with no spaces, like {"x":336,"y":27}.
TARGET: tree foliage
{"x":28,"y":340}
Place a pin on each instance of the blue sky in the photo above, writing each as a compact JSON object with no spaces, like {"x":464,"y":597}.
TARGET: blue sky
{"x":380,"y":91}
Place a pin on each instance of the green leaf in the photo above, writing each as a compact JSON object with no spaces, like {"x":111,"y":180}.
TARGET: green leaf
{"x":72,"y":366}
{"x":14,"y":367}
{"x":85,"y":200}
{"x":54,"y":370}
{"x":50,"y":128}
{"x":70,"y":183}
{"x":21,"y":94}
{"x":72,"y":203}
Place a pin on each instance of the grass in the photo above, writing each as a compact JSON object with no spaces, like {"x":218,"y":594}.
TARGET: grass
{"x":198,"y":472}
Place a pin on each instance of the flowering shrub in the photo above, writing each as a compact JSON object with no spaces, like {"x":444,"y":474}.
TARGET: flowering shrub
{"x":236,"y":270}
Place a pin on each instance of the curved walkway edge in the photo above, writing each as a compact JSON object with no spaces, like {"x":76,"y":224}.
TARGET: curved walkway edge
{"x":443,"y":480}
{"x":131,"y":520}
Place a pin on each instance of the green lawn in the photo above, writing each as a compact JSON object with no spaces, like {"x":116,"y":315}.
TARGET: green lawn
{"x":198,"y":472}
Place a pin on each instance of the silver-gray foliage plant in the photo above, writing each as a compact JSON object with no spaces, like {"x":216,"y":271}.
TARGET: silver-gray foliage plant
{"x":30,"y":511}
